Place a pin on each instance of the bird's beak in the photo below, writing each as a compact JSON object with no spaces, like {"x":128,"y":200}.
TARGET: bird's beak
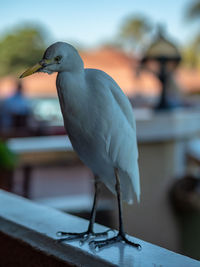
{"x":37,"y":67}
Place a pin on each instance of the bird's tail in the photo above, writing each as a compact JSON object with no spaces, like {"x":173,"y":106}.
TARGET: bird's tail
{"x":130,"y":185}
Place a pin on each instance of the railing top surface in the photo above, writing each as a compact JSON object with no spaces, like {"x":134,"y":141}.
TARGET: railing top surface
{"x":37,"y":225}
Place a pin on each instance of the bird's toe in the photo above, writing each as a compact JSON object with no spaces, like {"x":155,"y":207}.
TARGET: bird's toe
{"x":82,"y":237}
{"x":107,"y":242}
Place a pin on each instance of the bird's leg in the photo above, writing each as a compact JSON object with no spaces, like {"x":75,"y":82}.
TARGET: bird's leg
{"x":84,"y":236}
{"x":121,"y":236}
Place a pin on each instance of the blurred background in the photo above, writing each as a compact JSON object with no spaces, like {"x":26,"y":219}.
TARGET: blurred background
{"x":152,"y":50}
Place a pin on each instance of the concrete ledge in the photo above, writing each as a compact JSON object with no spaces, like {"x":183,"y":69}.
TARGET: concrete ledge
{"x":164,"y":126}
{"x":28,"y":233}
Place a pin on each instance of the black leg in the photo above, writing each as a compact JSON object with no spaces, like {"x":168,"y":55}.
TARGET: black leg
{"x":26,"y":181}
{"x":65,"y":236}
{"x":121,"y":237}
{"x":94,"y":208}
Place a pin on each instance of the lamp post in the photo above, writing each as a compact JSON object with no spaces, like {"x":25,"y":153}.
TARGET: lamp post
{"x":166,"y":55}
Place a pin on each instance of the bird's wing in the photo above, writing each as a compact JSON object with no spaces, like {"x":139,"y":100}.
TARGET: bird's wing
{"x":124,"y":104}
{"x":125,"y":145}
{"x":120,"y":134}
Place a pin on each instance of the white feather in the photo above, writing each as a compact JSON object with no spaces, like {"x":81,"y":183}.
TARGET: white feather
{"x":99,"y":121}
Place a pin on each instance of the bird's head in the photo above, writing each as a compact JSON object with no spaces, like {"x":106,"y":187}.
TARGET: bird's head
{"x":58,"y":57}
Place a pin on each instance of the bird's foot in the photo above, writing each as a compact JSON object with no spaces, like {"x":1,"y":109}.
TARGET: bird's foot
{"x":121,"y":237}
{"x":82,"y":237}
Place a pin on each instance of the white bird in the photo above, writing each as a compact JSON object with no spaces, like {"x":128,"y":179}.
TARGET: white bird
{"x":100,"y":123}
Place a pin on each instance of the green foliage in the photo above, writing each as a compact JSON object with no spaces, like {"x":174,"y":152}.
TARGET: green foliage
{"x":7,"y":158}
{"x":193,"y":11}
{"x":191,"y":53}
{"x":134,"y":30}
{"x":20,"y":49}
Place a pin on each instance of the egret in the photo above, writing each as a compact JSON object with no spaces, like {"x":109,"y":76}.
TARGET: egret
{"x":99,"y":120}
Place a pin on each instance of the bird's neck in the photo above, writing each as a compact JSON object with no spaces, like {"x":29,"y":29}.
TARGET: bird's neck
{"x":72,"y":82}
{"x":71,"y":89}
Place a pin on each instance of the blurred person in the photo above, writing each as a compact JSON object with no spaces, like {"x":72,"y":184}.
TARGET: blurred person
{"x":15,"y":111}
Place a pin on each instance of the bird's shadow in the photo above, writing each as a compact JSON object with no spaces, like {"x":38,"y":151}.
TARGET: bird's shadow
{"x":126,"y":258}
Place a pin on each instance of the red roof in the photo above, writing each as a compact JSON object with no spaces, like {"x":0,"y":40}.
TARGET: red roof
{"x":120,"y":66}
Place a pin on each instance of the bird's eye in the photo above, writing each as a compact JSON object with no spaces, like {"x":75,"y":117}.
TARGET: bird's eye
{"x":58,"y":58}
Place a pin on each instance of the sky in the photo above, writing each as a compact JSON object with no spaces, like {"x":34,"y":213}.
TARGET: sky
{"x":92,"y":22}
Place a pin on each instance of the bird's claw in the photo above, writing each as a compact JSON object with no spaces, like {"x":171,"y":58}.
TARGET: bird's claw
{"x":97,"y":245}
{"x":64,"y":236}
{"x":85,"y":236}
{"x":60,"y":234}
{"x":106,"y":233}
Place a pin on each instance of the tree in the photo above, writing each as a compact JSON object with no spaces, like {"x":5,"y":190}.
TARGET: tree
{"x":134,"y":31}
{"x":193,"y":11}
{"x":20,"y":49}
{"x":192,"y":51}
